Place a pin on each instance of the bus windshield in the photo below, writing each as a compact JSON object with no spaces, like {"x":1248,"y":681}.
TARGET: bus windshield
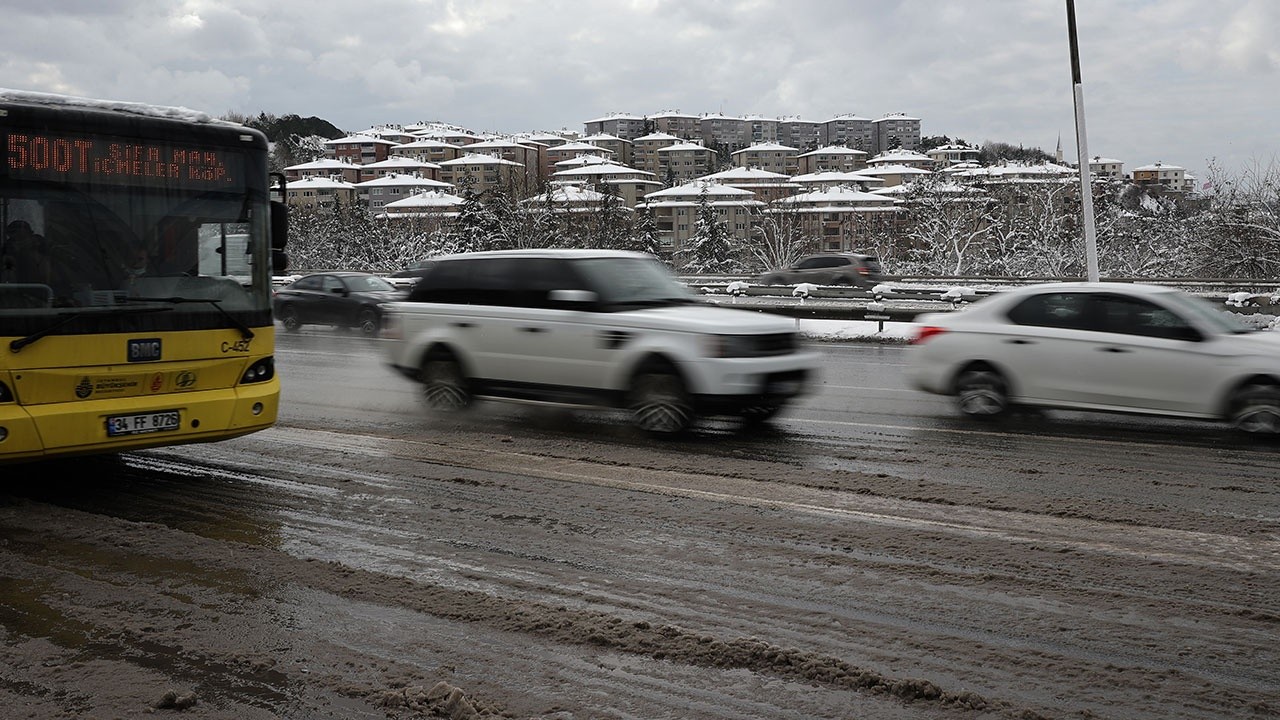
{"x":108,"y":230}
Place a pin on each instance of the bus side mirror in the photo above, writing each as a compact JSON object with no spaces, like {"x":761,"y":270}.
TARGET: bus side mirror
{"x":279,"y":237}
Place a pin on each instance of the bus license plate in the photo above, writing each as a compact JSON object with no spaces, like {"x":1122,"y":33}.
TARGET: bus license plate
{"x":162,"y":421}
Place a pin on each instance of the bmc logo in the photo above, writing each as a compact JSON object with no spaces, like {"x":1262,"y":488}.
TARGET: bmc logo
{"x":147,"y":350}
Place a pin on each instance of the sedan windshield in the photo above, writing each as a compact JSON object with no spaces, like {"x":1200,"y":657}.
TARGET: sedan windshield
{"x":1222,"y":321}
{"x":632,"y":281}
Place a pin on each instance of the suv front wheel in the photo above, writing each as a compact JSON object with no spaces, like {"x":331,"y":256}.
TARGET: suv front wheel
{"x":443,"y":385}
{"x":659,"y":403}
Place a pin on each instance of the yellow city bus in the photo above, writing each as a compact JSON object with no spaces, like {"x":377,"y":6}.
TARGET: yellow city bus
{"x":135,"y":277}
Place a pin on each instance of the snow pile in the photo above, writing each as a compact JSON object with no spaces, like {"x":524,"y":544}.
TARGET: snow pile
{"x":803,"y":290}
{"x":737,"y":287}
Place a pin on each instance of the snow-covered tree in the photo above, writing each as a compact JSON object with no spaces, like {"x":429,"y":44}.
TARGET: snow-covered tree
{"x":782,"y":239}
{"x":948,"y":225}
{"x":711,"y":250}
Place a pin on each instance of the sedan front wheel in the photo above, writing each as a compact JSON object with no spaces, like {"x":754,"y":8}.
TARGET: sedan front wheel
{"x":1256,"y":409}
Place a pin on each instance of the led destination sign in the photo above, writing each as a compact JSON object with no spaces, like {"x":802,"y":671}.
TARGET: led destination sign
{"x":96,"y":159}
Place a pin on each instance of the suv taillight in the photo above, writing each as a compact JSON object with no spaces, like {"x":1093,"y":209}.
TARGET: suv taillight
{"x":924,"y":332}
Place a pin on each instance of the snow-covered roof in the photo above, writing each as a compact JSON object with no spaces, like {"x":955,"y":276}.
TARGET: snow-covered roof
{"x":325,"y":164}
{"x":478,"y":159}
{"x":400,"y":162}
{"x":739,"y":174}
{"x":1108,"y":161}
{"x":899,"y":156}
{"x":616,"y":116}
{"x":598,"y":169}
{"x":319,"y":183}
{"x":765,"y":147}
{"x":1158,"y":166}
{"x":602,"y":137}
{"x":583,"y":160}
{"x":135,"y":108}
{"x":715,"y":191}
{"x":426,"y":200}
{"x":657,"y":136}
{"x":895,"y":170}
{"x":579,"y":146}
{"x":837,"y":195}
{"x":397,"y":180}
{"x":837,"y":176}
{"x":426,"y":144}
{"x":684,"y":146}
{"x":847,"y":116}
{"x":360,"y":139}
{"x":895,"y":116}
{"x":834,"y":150}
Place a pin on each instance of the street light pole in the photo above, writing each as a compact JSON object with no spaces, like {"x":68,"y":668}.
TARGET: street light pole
{"x":1082,"y":150}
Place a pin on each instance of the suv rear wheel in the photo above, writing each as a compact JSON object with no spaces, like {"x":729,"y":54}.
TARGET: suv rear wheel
{"x":659,"y":403}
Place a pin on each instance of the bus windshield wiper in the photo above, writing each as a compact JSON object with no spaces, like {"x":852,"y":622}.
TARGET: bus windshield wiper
{"x":245,"y":332}
{"x":66,"y":319}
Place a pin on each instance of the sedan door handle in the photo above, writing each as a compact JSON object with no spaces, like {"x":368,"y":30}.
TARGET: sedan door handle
{"x":462,"y":324}
{"x":1114,"y":350}
{"x":532,"y":329}
{"x":1021,"y":341}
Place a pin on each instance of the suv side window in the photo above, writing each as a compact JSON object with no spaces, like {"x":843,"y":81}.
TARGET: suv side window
{"x":448,"y":281}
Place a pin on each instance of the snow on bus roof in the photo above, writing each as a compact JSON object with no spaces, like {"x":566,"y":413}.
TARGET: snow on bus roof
{"x":71,"y":101}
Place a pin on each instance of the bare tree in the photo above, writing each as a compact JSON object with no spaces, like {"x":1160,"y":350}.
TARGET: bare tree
{"x":782,"y":239}
{"x":1244,"y":221}
{"x":948,"y":225}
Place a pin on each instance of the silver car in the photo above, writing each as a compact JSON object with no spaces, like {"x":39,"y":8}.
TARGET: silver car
{"x":1100,"y":347}
{"x":828,"y":269}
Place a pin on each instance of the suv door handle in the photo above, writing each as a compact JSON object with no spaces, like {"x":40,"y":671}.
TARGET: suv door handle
{"x":1021,"y":341}
{"x":1114,"y":350}
{"x":532,"y":329}
{"x":462,"y":324}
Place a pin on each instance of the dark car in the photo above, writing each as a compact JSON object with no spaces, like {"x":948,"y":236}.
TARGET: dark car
{"x":341,"y":299}
{"x":828,"y":269}
{"x":408,"y":277}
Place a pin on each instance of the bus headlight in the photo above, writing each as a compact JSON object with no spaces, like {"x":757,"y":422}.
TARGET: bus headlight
{"x":261,"y":371}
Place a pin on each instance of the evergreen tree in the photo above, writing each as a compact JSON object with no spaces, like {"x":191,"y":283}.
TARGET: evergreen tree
{"x":711,"y":250}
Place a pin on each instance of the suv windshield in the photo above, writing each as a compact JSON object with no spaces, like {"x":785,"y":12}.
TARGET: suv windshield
{"x":632,"y":281}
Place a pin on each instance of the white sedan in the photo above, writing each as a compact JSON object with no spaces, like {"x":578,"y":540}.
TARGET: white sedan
{"x":1100,"y":347}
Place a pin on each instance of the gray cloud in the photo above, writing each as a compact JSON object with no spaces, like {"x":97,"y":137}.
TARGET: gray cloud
{"x":1163,"y":80}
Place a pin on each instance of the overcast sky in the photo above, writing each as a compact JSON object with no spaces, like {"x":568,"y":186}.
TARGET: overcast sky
{"x":1176,"y":81}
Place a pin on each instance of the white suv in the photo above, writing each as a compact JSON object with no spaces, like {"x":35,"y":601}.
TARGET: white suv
{"x":591,"y":327}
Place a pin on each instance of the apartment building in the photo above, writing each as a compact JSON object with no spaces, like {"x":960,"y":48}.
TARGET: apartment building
{"x":426,"y":150}
{"x":484,"y":173}
{"x":628,"y":127}
{"x":767,"y":156}
{"x":629,"y":184}
{"x":530,"y":155}
{"x":675,"y":212}
{"x":320,"y":193}
{"x":838,"y":216}
{"x":766,"y":185}
{"x":399,"y":165}
{"x":831,"y":158}
{"x":621,"y":149}
{"x":896,"y":130}
{"x":1106,"y":168}
{"x":430,"y":204}
{"x":902,"y":156}
{"x":849,"y":130}
{"x":798,"y":133}
{"x":823,"y":179}
{"x":323,"y":167}
{"x":675,"y":123}
{"x":685,"y":161}
{"x":556,"y":156}
{"x":724,"y":130}
{"x":762,"y":129}
{"x":1169,"y":177}
{"x":359,"y":149}
{"x":568,"y":200}
{"x":378,"y":192}
{"x":945,"y":156}
{"x":644,"y":150}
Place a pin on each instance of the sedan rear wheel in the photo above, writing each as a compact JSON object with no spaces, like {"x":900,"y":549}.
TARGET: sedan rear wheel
{"x":443,"y":385}
{"x":660,"y":404}
{"x":981,"y":393}
{"x":1256,"y":409}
